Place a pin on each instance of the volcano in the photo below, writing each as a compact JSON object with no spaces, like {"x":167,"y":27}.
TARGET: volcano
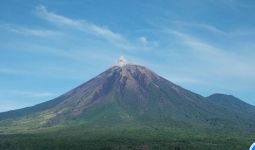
{"x":129,"y":96}
{"x":128,"y":93}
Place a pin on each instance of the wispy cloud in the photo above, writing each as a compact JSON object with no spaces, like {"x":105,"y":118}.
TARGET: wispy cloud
{"x":143,"y":40}
{"x":43,"y":72}
{"x":13,"y":71}
{"x":29,"y":31}
{"x":222,"y":61}
{"x":7,"y":105}
{"x":184,"y":79}
{"x":236,"y":3}
{"x":205,"y":26}
{"x":33,"y":94}
{"x":85,"y":26}
{"x":101,"y":31}
{"x":214,"y":29}
{"x":146,"y":42}
{"x":14,"y":99}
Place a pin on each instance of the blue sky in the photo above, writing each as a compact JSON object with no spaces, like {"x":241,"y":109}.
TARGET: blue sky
{"x":49,"y":47}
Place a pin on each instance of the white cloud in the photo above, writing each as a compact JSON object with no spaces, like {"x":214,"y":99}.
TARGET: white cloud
{"x":143,"y":40}
{"x":42,"y":12}
{"x":115,"y":38}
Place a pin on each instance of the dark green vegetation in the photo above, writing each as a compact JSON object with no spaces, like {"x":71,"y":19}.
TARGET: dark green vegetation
{"x":80,"y":137}
{"x":130,"y":107}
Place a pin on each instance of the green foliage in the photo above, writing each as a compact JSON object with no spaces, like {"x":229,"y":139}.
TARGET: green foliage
{"x":120,"y":138}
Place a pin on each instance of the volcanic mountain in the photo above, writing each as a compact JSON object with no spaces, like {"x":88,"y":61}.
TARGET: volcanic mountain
{"x":128,"y":93}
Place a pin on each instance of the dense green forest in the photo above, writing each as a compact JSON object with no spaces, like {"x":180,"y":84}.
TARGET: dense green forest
{"x":80,"y":138}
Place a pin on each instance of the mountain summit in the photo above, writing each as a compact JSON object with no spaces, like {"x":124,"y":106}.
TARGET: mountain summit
{"x":122,"y":61}
{"x":128,"y":93}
